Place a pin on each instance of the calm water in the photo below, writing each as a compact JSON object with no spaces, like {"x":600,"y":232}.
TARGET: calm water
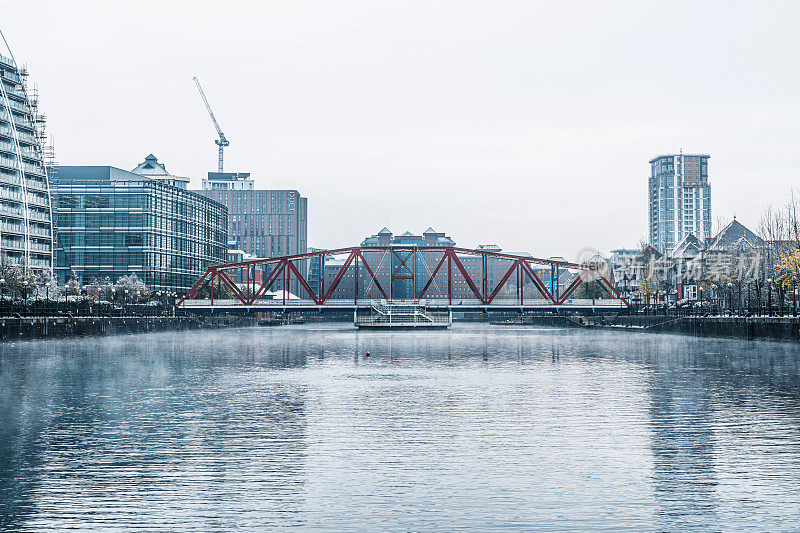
{"x":477,"y":428}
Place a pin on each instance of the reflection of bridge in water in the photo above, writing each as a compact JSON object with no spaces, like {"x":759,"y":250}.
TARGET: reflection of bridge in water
{"x":459,"y":279}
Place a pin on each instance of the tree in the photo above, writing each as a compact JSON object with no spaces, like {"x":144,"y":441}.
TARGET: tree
{"x":72,"y":288}
{"x":780,"y":226}
{"x":46,"y":286}
{"x":647,"y":287}
{"x":584,"y":291}
{"x":131,"y":289}
{"x":18,"y":282}
{"x":221,"y":291}
{"x":100,"y":289}
{"x":788,"y":267}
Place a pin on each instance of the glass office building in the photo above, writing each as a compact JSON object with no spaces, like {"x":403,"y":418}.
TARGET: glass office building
{"x":111,"y":223}
{"x":26,"y":234}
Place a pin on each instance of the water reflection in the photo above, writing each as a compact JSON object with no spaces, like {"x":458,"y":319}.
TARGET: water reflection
{"x":476,"y":428}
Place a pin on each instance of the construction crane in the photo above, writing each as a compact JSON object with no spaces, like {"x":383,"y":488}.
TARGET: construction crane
{"x":222,"y":142}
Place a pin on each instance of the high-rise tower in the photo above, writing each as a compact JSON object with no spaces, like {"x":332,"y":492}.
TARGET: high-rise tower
{"x":680,"y":199}
{"x":26,"y":229}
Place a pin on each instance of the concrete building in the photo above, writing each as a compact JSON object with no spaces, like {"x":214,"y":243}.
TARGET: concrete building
{"x":112,"y":223}
{"x":679,"y":199}
{"x":26,"y":230}
{"x":263,"y":223}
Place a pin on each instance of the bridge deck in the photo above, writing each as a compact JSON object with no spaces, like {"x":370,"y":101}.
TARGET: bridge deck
{"x":433,"y":304}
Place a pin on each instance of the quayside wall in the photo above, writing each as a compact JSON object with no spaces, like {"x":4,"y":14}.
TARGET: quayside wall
{"x":17,"y":328}
{"x":763,"y":328}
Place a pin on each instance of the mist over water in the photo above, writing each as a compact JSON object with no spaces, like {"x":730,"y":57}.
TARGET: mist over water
{"x":480,"y":427}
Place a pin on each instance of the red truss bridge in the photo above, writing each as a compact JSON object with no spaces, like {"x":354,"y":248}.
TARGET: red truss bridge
{"x":444,"y":277}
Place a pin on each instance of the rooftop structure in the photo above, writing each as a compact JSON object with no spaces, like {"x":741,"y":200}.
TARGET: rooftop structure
{"x":151,"y":168}
{"x":228,"y":181}
{"x":429,"y":237}
{"x":735,"y":236}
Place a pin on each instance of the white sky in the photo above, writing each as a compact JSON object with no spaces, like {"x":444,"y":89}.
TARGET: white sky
{"x":526,"y":124}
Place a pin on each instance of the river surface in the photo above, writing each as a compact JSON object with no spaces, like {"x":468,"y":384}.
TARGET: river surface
{"x":478,"y":428}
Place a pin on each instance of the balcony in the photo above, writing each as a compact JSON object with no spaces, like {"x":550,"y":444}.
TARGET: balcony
{"x":37,"y":170}
{"x":9,"y":162}
{"x":40,"y":200}
{"x":13,"y":77}
{"x":41,"y":216}
{"x":8,"y":194}
{"x":40,"y":185}
{"x":27,"y":137}
{"x":11,"y":227}
{"x":19,"y":106}
{"x":23,"y":122}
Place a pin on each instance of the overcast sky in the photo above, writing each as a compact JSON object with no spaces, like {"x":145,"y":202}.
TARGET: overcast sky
{"x":521,"y":123}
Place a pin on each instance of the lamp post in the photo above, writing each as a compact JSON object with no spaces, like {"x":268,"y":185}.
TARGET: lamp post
{"x":715,"y":297}
{"x":700,"y":294}
{"x":769,"y":296}
{"x":739,"y":300}
{"x":730,"y":298}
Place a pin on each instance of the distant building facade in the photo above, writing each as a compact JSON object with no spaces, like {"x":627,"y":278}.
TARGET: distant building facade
{"x":112,"y":223}
{"x":26,"y":229}
{"x":263,"y":223}
{"x":407,"y":272}
{"x":403,"y":272}
{"x":679,"y":199}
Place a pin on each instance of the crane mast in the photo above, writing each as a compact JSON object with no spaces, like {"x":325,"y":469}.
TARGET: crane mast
{"x":222,"y":142}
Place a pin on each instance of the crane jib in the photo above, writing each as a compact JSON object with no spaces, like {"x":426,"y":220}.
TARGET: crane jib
{"x":222,"y":142}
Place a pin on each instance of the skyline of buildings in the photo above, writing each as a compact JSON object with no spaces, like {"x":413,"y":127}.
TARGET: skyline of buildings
{"x":261,"y":223}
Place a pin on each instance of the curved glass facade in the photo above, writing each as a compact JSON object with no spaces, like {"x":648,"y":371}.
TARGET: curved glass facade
{"x":112,"y":223}
{"x":26,"y":231}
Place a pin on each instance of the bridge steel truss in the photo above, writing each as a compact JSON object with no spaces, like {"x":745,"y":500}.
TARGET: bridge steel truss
{"x":403,"y":265}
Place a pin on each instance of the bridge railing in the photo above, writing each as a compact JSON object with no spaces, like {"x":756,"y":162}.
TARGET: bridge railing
{"x":431,"y":303}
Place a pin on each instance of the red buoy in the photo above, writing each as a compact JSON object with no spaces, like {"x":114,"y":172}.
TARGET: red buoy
{"x":367,"y":354}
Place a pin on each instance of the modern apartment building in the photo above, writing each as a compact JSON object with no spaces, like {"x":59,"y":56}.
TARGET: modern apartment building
{"x":679,"y":199}
{"x":26,"y":230}
{"x":262,"y":223}
{"x":112,"y":223}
